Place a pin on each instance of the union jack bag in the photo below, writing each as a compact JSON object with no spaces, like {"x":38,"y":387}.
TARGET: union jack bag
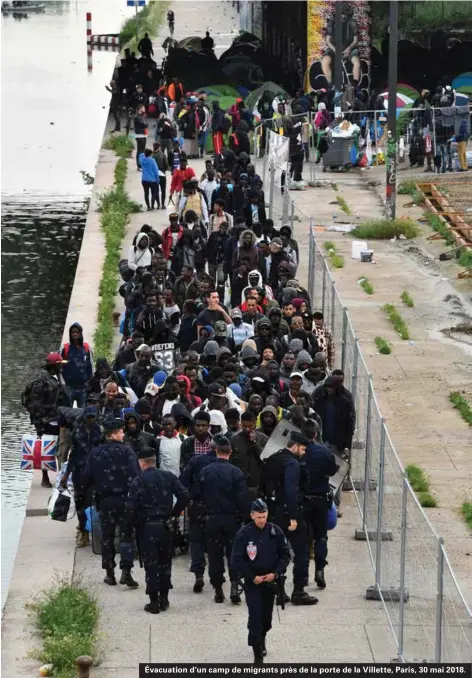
{"x":38,"y":454}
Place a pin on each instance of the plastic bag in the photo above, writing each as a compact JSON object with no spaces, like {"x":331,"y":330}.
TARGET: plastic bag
{"x":332,"y":516}
{"x":60,"y":476}
{"x":61,"y":506}
{"x":227,"y":295}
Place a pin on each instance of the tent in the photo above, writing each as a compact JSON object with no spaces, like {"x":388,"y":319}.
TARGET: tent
{"x":241,"y":69}
{"x":191,"y":44}
{"x":220,"y":90}
{"x":463,"y":83}
{"x":272,"y":87}
{"x":194,"y":69}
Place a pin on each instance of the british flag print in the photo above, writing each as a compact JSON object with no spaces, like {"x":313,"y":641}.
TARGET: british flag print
{"x":39,"y":453}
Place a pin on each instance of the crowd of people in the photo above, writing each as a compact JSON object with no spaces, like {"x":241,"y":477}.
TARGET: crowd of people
{"x":220,"y":344}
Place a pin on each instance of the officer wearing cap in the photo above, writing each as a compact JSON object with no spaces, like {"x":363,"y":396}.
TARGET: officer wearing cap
{"x":149,"y":507}
{"x":283,"y":485}
{"x":221,"y":489}
{"x":260,"y":556}
{"x":110,"y":470}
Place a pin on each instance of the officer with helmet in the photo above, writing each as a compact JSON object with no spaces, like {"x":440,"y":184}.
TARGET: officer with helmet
{"x":260,"y":556}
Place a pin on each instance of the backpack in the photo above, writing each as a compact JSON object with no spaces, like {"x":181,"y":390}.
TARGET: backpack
{"x":26,"y":395}
{"x":66,"y":348}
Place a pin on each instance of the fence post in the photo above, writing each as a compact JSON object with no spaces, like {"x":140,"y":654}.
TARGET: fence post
{"x":376,"y":139}
{"x":401,"y":618}
{"x":368,"y":447}
{"x":311,"y":266}
{"x":343,"y":342}
{"x":378,"y":551}
{"x":292,"y":213}
{"x":271,"y":190}
{"x":285,"y":206}
{"x":323,"y":289}
{"x":333,"y":296}
{"x":353,"y":388}
{"x":266,"y":154}
{"x":439,"y":602}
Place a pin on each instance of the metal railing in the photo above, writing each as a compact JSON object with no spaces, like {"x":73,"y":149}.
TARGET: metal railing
{"x":428,"y":615}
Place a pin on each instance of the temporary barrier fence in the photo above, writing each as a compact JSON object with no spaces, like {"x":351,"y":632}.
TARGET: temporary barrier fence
{"x":427,"y":613}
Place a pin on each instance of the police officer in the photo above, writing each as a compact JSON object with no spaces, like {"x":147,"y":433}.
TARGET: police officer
{"x":282,"y":485}
{"x":110,"y":470}
{"x":222,"y":489}
{"x":260,"y":556}
{"x":149,"y":508}
{"x":196,"y":515}
{"x":321,"y":464}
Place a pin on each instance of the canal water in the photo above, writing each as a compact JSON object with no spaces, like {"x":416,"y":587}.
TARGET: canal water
{"x":53,"y":116}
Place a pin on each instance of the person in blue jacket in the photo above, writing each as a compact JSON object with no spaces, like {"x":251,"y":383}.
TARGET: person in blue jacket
{"x":79,"y":366}
{"x":260,"y":556}
{"x":149,"y":178}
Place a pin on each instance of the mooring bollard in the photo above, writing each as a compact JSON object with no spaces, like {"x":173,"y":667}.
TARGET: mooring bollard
{"x":83,"y":666}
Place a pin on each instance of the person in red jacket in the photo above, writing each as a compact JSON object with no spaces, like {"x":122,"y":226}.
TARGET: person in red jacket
{"x":171,"y":236}
{"x":179,"y":177}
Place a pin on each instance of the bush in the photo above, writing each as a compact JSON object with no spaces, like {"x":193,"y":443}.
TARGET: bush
{"x":397,"y":321}
{"x":420,"y":484}
{"x":383,"y":346}
{"x":407,"y":187}
{"x":438,"y":225}
{"x":148,"y":21}
{"x":407,"y":300}
{"x":466,"y":259}
{"x":383,"y":229}
{"x":463,"y":407}
{"x":66,"y":617}
{"x":466,"y":510}
{"x":366,"y":285}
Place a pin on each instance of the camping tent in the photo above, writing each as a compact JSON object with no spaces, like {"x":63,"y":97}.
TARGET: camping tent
{"x":272,"y":87}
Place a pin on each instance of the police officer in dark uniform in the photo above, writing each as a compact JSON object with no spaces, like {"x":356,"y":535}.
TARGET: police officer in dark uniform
{"x":282,"y":485}
{"x":196,"y":516}
{"x":110,"y":470}
{"x":222,"y":490}
{"x":260,"y":556}
{"x":321,"y":464}
{"x":149,"y":508}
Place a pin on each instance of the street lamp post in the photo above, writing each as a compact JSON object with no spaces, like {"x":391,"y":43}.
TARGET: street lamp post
{"x":338,"y":55}
{"x":391,"y":186}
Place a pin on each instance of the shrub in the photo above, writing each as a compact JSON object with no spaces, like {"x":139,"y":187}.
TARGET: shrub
{"x":466,"y":510}
{"x":343,"y":205}
{"x":366,"y":285}
{"x":121,"y":144}
{"x":383,"y":346}
{"x":420,"y":484}
{"x":463,"y":407}
{"x":407,"y":300}
{"x":438,"y":225}
{"x":383,"y":229}
{"x":397,"y":321}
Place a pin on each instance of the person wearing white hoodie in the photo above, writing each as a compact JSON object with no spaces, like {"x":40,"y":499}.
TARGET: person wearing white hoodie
{"x":140,"y":254}
{"x":256,"y":282}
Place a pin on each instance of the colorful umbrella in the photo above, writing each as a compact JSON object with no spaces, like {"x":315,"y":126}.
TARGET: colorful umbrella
{"x":402,"y":100}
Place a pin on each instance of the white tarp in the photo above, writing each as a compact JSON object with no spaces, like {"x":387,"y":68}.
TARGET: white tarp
{"x":278,"y":150}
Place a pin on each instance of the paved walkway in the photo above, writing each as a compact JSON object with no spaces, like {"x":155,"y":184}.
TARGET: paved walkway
{"x":342,"y":627}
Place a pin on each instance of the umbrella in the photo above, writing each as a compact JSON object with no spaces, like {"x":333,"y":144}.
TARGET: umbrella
{"x":402,"y":100}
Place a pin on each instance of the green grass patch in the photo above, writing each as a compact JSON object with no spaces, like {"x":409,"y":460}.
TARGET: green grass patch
{"x":438,"y":225}
{"x":147,"y":20}
{"x":407,"y":187}
{"x":407,"y":300}
{"x":397,"y":321}
{"x":463,"y":407}
{"x":66,"y":618}
{"x":420,"y":484}
{"x":466,"y":511}
{"x":383,"y":346}
{"x":121,"y":144}
{"x":343,"y":205}
{"x":384,"y":229}
{"x":465,"y":259}
{"x":334,"y":186}
{"x":337,"y":261}
{"x":115,"y":207}
{"x":366,"y":285}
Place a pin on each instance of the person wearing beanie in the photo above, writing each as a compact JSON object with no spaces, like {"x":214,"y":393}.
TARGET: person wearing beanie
{"x":233,"y":419}
{"x":282,"y":485}
{"x":134,"y":435}
{"x":149,"y":506}
{"x":260,"y":556}
{"x":144,"y":408}
{"x":221,"y":488}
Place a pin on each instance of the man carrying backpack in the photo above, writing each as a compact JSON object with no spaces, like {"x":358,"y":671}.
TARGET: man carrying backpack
{"x":42,"y":397}
{"x":78,"y":368}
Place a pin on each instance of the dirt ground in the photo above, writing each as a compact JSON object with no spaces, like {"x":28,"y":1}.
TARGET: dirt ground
{"x":413,"y":382}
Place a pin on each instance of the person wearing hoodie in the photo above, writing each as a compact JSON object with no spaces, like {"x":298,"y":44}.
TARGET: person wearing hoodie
{"x":206,"y":333}
{"x":313,"y":378}
{"x":184,"y":388}
{"x":78,"y":367}
{"x":337,"y":414}
{"x":256,"y":282}
{"x":140,"y":254}
{"x":126,"y":354}
{"x":249,"y":359}
{"x":268,"y":420}
{"x":264,"y":339}
{"x":241,"y":135}
{"x":215,"y":248}
{"x":270,"y":262}
{"x":102,"y":375}
{"x":134,"y":436}
{"x":144,"y":408}
{"x":85,"y":436}
{"x":169,"y":396}
{"x":149,"y":178}
{"x":247,"y":252}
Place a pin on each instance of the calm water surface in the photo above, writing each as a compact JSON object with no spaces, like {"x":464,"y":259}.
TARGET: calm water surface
{"x":53,"y":116}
